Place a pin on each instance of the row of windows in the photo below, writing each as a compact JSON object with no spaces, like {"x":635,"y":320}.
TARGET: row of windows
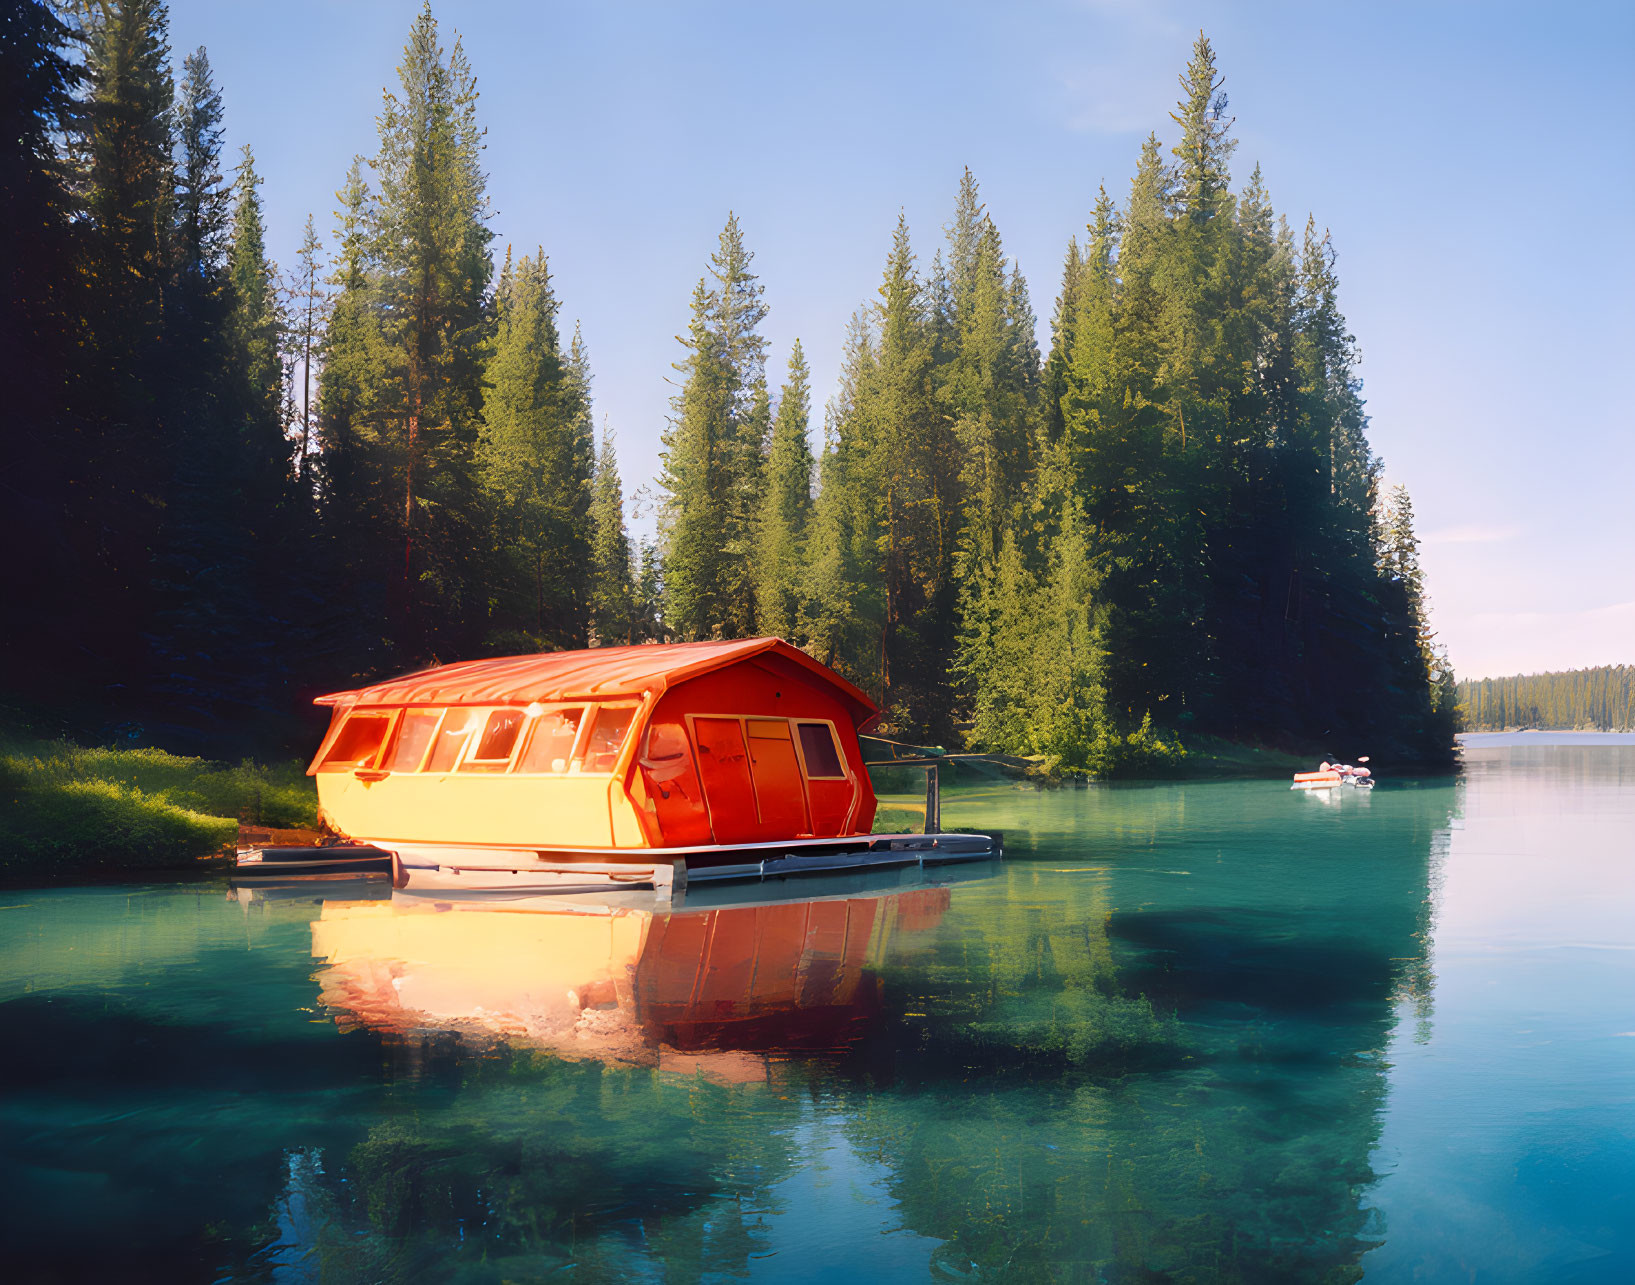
{"x":554,"y":741}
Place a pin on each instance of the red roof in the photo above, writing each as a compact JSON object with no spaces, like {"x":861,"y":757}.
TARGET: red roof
{"x":594,"y":674}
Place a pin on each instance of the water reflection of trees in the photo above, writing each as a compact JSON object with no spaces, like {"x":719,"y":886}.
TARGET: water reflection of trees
{"x":1065,"y":1072}
{"x":1196,"y":1091}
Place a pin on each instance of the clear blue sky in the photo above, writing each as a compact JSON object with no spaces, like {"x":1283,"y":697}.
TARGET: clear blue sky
{"x":1474,"y":161}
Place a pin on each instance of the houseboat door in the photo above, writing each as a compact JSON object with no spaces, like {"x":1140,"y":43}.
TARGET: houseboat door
{"x":780,"y":794}
{"x":723,"y":763}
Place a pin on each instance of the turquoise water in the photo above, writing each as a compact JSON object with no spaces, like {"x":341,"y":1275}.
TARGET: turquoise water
{"x":1190,"y":1032}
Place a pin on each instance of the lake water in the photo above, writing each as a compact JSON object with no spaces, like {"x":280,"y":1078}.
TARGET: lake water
{"x":1198,"y":1032}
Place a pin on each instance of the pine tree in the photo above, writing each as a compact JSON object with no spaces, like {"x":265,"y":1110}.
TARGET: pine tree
{"x":309,"y":311}
{"x":126,"y":179}
{"x":1069,"y":723}
{"x":715,"y":449}
{"x":912,"y":458}
{"x":535,"y":467}
{"x":786,"y":507}
{"x":202,"y":199}
{"x":256,"y":325}
{"x":987,"y":386}
{"x":43,"y":596}
{"x":1422,"y":673}
{"x":1399,"y":553}
{"x":695,"y":519}
{"x":989,"y":377}
{"x":1061,"y":343}
{"x":430,"y":247}
{"x":125,"y":157}
{"x":1325,"y":358}
{"x":227,"y":581}
{"x":999,"y":653}
{"x":613,"y":593}
{"x":1205,"y":149}
{"x":351,"y":450}
{"x":843,"y":591}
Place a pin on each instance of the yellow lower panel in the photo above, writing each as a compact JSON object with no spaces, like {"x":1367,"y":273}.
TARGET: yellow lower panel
{"x":540,"y":811}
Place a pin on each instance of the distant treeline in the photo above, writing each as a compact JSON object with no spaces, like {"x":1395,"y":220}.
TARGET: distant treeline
{"x":1600,"y":699}
{"x":239,"y":485}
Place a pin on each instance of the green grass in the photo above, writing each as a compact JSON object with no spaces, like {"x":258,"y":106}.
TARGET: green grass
{"x":70,"y":811}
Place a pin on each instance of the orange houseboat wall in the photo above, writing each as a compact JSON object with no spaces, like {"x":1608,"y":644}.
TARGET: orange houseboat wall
{"x":755,"y":752}
{"x":759,"y":750}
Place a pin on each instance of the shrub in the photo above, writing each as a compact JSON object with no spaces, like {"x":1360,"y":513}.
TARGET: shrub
{"x":68,"y":811}
{"x":1141,"y":753}
{"x":78,"y":828}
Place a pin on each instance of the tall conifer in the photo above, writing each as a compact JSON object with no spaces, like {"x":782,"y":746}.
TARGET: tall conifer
{"x":43,"y":597}
{"x":202,"y":199}
{"x":715,"y":450}
{"x":535,"y":468}
{"x":431,"y":248}
{"x":913,"y":457}
{"x":786,"y":507}
{"x":308,"y":316}
{"x":127,"y":182}
{"x":695,"y":520}
{"x":613,"y":593}
{"x":843,"y":589}
{"x":256,"y":321}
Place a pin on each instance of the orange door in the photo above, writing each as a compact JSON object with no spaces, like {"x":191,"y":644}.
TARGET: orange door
{"x":723,"y":763}
{"x":780,"y":794}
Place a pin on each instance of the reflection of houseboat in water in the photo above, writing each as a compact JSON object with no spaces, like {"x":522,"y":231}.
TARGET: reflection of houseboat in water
{"x":651,"y":763}
{"x":711,"y":985}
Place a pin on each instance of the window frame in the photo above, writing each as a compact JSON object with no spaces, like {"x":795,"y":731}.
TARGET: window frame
{"x":468,"y":760}
{"x":368,"y":711}
{"x":402,"y":715}
{"x":687,"y":754}
{"x":834,"y":741}
{"x":581,"y":743}
{"x":525,"y":741}
{"x":425,"y":768}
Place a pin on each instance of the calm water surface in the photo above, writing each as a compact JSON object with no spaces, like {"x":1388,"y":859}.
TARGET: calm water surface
{"x":1185,"y":1033}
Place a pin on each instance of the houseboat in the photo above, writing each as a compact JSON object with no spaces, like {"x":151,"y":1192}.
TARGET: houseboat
{"x":649,"y":764}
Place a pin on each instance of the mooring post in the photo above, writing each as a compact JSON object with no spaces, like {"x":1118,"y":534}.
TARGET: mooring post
{"x":670,"y":879}
{"x":933,"y":801}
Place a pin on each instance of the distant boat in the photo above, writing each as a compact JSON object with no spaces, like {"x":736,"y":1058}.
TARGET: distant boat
{"x":648,"y":765}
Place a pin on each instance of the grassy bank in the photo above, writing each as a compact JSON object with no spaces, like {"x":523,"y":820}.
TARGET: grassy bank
{"x":72,"y":812}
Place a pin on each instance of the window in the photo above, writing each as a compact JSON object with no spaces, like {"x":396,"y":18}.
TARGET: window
{"x":666,"y":744}
{"x":607,"y":734}
{"x":414,"y":732}
{"x":817,"y":747}
{"x":550,"y":744}
{"x":458,"y":724}
{"x":494,"y":746}
{"x":359,"y":739}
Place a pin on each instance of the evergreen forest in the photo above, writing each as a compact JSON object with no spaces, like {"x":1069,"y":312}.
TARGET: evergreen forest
{"x":1592,"y":700}
{"x":233,"y":484}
